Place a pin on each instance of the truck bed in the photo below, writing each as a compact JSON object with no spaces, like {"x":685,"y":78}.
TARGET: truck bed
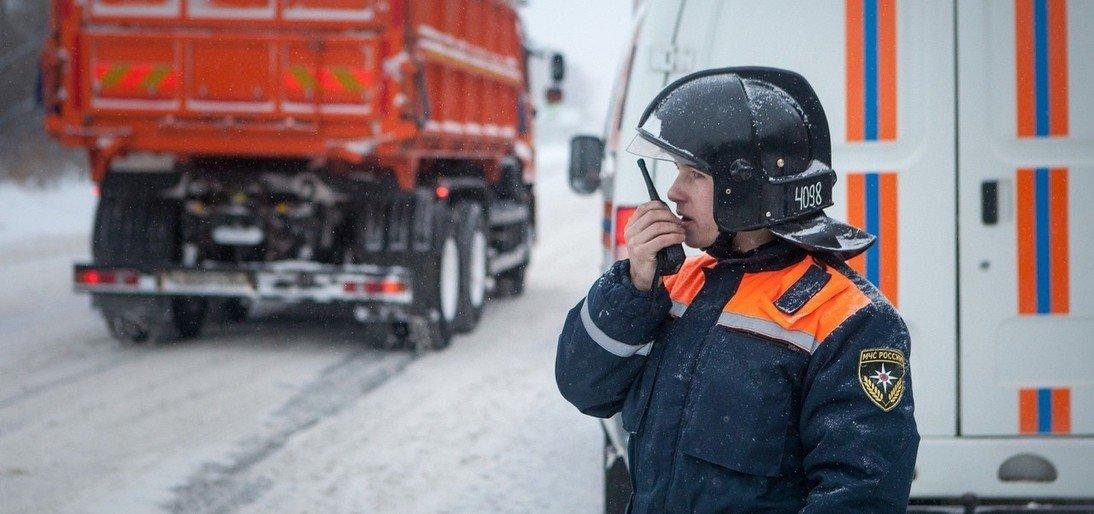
{"x":351,"y":80}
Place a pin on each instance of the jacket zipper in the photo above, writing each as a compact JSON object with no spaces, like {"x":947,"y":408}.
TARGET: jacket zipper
{"x":686,"y":414}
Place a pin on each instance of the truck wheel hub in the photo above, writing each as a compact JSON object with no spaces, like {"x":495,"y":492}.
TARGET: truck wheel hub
{"x":450,"y":279}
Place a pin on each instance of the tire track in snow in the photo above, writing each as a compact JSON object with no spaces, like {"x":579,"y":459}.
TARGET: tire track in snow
{"x":29,"y":392}
{"x":223,"y":487}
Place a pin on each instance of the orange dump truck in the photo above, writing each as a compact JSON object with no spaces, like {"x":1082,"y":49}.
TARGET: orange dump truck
{"x":376,"y":154}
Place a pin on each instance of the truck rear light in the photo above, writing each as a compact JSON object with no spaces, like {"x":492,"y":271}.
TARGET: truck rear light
{"x":94,"y":277}
{"x":622,"y":217}
{"x":385,"y":286}
{"x":89,"y":277}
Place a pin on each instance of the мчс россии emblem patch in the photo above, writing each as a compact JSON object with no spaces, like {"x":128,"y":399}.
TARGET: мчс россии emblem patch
{"x":881,"y":373}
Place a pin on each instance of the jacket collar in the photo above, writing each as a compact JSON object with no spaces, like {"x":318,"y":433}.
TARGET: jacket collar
{"x":773,"y":255}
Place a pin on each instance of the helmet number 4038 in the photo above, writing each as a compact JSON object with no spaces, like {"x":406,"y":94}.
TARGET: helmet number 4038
{"x":809,"y":196}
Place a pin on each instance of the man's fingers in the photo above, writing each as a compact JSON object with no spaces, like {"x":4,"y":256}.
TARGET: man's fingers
{"x":638,"y":222}
{"x":652,"y":227}
{"x":661,"y":241}
{"x":656,"y":229}
{"x":648,"y":206}
{"x":652,"y":208}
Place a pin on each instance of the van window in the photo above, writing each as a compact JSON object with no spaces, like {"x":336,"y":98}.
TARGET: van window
{"x":619,"y":92}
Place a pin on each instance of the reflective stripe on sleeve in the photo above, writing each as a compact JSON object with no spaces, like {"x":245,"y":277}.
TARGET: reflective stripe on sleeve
{"x":677,"y":309}
{"x":612,"y":346}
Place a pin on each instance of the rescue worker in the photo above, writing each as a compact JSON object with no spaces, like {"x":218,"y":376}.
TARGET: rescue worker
{"x":765,"y":375}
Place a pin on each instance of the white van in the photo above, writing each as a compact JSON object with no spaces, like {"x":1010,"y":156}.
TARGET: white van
{"x":963,"y":133}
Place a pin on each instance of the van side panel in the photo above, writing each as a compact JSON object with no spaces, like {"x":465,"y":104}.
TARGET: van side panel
{"x":623,"y":186}
{"x":1027,"y":145}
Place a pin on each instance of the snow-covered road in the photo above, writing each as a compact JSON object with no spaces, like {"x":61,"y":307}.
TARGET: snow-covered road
{"x":289,"y":412}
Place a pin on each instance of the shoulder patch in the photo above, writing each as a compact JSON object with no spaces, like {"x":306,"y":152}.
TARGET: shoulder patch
{"x":811,"y":282}
{"x":881,"y":374}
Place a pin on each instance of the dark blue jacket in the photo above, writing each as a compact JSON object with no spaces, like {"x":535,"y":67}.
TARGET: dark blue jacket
{"x":774,"y":381}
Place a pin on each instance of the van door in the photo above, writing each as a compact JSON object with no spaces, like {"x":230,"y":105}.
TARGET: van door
{"x":1026,"y":149}
{"x":643,"y":73}
{"x":884,"y":73}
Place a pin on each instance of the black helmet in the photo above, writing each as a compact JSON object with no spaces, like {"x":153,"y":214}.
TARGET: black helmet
{"x":761,"y":133}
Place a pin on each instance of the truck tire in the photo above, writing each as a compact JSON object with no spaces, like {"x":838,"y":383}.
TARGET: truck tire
{"x":137,"y":319}
{"x":236,"y":310}
{"x":436,"y":286}
{"x":135,"y":226}
{"x":188,"y":315}
{"x":471,"y":239}
{"x":510,"y":283}
{"x":135,"y":232}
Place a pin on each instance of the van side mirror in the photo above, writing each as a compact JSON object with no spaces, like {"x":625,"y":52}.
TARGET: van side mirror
{"x":558,"y":67}
{"x":558,"y":73}
{"x":586,"y":155}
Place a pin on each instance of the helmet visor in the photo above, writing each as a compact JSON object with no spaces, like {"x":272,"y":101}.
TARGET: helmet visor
{"x":648,"y":144}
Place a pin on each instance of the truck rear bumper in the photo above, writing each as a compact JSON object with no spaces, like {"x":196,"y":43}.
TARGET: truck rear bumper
{"x":280,"y":281}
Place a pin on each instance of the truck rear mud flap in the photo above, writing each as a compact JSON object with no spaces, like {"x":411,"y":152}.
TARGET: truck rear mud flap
{"x":282,"y":281}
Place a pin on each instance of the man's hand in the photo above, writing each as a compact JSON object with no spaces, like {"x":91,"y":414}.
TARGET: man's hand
{"x":652,"y":227}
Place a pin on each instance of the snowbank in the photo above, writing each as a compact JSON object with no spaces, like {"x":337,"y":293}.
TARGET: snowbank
{"x":33,"y":217}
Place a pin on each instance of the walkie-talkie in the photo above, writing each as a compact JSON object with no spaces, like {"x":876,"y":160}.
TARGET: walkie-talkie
{"x":669,"y":258}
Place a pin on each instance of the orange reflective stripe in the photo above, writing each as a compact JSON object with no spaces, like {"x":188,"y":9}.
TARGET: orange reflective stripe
{"x":1027,"y":265}
{"x":112,"y":74}
{"x":155,"y":77}
{"x":132,"y":80}
{"x":346,"y":79}
{"x":136,"y":79}
{"x":350,"y":79}
{"x":888,"y":238}
{"x":1061,"y":411}
{"x":755,"y":297}
{"x":1027,"y":411}
{"x":1057,"y":67}
{"x":684,"y":285}
{"x":886,"y":76}
{"x":821,"y":315}
{"x":839,"y":303}
{"x":853,"y":59}
{"x":299,"y":79}
{"x":757,"y":293}
{"x":140,"y":80}
{"x":1058,"y":241}
{"x":1023,"y":60}
{"x":856,"y":213}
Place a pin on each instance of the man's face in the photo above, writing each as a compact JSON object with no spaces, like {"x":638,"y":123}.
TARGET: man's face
{"x":693,"y":192}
